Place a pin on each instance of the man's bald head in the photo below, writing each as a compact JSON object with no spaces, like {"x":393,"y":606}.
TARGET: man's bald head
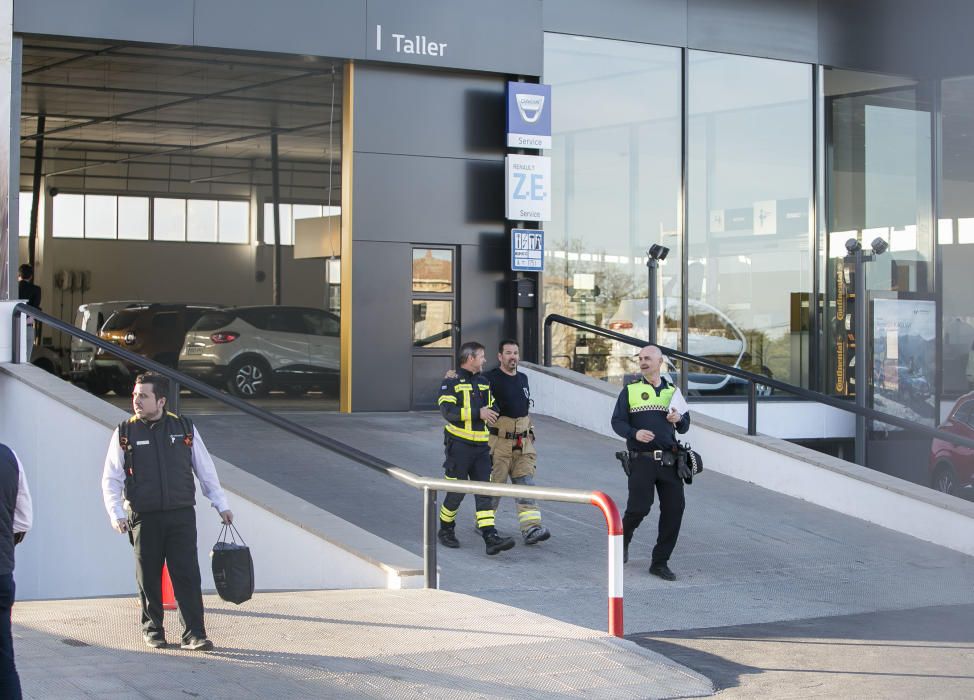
{"x":650,"y":361}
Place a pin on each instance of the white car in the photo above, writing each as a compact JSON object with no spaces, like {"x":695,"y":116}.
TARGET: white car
{"x":710,"y":334}
{"x":253,"y":349}
{"x":90,"y":318}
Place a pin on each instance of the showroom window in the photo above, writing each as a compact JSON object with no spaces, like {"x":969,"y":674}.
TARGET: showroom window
{"x":749,"y":204}
{"x":616,"y":128}
{"x":127,"y":218}
{"x":26,"y":199}
{"x":955,"y":235}
{"x":879,"y":184}
{"x":291,"y":213}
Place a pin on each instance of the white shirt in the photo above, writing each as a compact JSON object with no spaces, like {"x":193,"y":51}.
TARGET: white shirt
{"x":113,"y":477}
{"x":23,"y":511}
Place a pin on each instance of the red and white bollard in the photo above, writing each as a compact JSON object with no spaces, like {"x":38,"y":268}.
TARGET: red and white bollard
{"x":168,"y":596}
{"x":614,"y":523}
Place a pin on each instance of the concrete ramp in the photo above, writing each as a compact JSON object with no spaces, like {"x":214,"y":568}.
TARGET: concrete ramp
{"x":61,"y":434}
{"x":338,"y":644}
{"x":775,"y":464}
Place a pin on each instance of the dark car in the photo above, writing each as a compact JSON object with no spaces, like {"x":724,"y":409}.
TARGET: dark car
{"x":155,"y":331}
{"x":952,"y":465}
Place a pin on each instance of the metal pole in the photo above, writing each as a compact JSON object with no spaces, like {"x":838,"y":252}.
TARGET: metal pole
{"x":860,"y":330}
{"x":36,"y":199}
{"x":173,"y":403}
{"x":652,"y":264}
{"x":15,"y":338}
{"x":429,"y":538}
{"x":547,"y":344}
{"x":276,"y":195}
{"x":752,"y":408}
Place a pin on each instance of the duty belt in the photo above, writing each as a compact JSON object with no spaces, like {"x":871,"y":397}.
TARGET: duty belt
{"x":509,"y":436}
{"x":656,"y":455}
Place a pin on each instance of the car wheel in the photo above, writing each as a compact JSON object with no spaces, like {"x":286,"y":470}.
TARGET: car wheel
{"x":123,"y":386}
{"x":45,"y":365}
{"x":249,"y":378}
{"x":943,"y":479}
{"x":97,"y":384}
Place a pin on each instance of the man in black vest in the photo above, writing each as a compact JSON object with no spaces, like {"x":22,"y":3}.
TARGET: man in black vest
{"x":150,"y":494}
{"x":15,"y":521}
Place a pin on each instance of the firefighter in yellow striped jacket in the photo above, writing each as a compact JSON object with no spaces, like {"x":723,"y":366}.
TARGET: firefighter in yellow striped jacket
{"x":467,"y":405}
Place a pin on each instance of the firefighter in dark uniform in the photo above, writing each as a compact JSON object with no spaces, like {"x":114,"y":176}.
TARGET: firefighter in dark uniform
{"x":648,"y":414}
{"x":512,"y":438}
{"x":466,"y":404}
{"x":150,"y":494}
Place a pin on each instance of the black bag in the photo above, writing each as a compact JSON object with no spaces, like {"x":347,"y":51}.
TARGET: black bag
{"x":233,"y":567}
{"x":691,"y":459}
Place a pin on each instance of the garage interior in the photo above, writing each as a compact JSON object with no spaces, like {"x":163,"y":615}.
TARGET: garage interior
{"x":121,"y":141}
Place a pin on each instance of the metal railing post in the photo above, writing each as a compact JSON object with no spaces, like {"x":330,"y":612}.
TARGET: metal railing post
{"x":15,"y":338}
{"x":429,"y":538}
{"x":547,"y":343}
{"x":752,"y":408}
{"x":174,"y":397}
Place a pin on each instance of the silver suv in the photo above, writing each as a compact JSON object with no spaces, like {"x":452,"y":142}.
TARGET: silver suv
{"x":253,"y":349}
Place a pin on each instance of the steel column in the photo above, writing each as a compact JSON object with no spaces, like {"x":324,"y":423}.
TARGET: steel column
{"x":430,"y":579}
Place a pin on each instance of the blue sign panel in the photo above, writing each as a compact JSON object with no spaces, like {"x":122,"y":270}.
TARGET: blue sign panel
{"x":528,"y":115}
{"x":527,"y":250}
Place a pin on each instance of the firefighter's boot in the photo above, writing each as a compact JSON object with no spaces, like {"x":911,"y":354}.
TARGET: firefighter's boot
{"x":448,"y":537}
{"x":495,"y":543}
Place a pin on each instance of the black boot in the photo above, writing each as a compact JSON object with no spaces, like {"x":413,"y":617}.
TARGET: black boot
{"x":495,"y":543}
{"x":447,"y":537}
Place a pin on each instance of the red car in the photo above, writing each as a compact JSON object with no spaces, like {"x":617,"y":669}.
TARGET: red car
{"x":952,"y":465}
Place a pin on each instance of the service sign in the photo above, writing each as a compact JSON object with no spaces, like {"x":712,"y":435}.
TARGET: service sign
{"x":528,"y":115}
{"x":528,"y":188}
{"x":527,"y":250}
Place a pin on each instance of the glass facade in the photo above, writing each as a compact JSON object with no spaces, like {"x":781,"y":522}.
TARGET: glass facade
{"x":955,"y":235}
{"x":749,"y":198}
{"x":616,"y":183}
{"x":758,"y":175}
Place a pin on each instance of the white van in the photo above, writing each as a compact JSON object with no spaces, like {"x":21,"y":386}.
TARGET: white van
{"x":90,"y":318}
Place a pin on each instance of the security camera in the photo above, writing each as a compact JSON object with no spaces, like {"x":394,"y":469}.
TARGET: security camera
{"x":853,"y":246}
{"x":658,"y":252}
{"x":879,"y":246}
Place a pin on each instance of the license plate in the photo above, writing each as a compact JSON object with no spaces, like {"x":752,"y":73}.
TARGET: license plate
{"x":194,"y":350}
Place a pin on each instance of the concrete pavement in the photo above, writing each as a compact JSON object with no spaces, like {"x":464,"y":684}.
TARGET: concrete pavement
{"x":336,"y":644}
{"x":746,"y":555}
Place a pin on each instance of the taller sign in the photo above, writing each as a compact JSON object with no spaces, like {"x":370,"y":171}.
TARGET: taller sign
{"x":528,"y":115}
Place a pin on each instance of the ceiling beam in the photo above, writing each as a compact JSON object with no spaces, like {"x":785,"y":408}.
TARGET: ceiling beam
{"x":154,"y":122}
{"x":217,"y":60}
{"x":174,"y":93}
{"x":212,"y":144}
{"x":166,"y":105}
{"x":74,"y":59}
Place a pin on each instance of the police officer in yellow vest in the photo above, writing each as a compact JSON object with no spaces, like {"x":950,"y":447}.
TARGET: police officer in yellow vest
{"x":649,"y":413}
{"x":466,"y":403}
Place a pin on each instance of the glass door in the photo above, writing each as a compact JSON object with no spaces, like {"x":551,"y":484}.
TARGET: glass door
{"x":435,"y":325}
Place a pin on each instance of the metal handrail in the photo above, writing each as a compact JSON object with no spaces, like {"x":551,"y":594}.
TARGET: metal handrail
{"x":429,"y":486}
{"x":753,"y":380}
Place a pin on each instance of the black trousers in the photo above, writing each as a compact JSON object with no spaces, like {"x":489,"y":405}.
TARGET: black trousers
{"x":168,"y":536}
{"x":9,"y":680}
{"x":466,"y":460}
{"x":647,"y":475}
